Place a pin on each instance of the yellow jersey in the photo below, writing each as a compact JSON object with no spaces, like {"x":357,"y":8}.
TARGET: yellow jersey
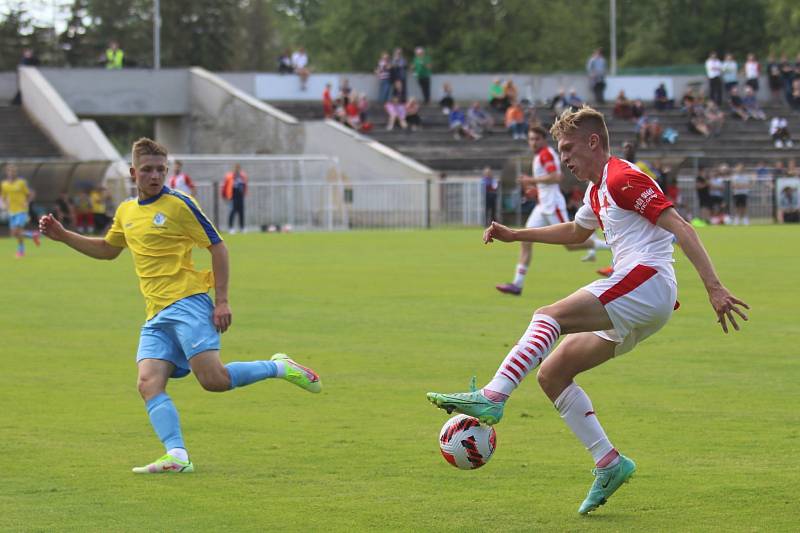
{"x":160,"y":233}
{"x":98,"y":201}
{"x":15,"y":195}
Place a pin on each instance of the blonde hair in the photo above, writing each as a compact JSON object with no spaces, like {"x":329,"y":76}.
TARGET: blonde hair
{"x":145,"y":146}
{"x":585,"y":119}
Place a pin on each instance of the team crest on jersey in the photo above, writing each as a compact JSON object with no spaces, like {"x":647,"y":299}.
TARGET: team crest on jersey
{"x":160,"y":219}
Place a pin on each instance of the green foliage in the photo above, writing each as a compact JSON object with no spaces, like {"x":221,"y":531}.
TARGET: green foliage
{"x":712,"y":420}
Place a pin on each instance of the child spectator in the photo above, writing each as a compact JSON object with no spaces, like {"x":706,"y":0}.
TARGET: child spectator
{"x":447,"y":102}
{"x":353,"y":114}
{"x":779,"y":130}
{"x":285,"y":63}
{"x":363,"y":112}
{"x":396,"y":111}
{"x":345,"y":90}
{"x":398,"y":72}
{"x":382,"y":73}
{"x":622,"y":107}
{"x":412,"y":114}
{"x":510,"y":92}
{"x":327,"y":102}
{"x":515,"y":122}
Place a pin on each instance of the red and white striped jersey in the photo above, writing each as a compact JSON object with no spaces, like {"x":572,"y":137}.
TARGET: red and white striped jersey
{"x":626,"y":205}
{"x":181,"y":182}
{"x":550,"y":197}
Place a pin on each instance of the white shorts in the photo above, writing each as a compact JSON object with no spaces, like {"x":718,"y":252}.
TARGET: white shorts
{"x":639,"y":300}
{"x":539,"y":218}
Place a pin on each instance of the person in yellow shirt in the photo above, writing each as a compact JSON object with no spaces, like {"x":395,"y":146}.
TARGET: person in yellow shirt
{"x":181,"y":334}
{"x":98,"y":200}
{"x":17,"y":197}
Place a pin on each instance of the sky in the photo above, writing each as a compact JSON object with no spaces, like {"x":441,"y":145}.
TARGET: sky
{"x":41,"y":12}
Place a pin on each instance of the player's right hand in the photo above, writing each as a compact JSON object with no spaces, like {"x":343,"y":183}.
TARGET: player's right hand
{"x":499,"y":232}
{"x":52,"y":228}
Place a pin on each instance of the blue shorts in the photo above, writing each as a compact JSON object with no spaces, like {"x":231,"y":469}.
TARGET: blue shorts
{"x":179,"y":332}
{"x":17,"y":220}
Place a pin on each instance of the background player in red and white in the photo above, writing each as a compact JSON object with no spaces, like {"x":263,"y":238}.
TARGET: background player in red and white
{"x":609,"y":316}
{"x":180,"y":181}
{"x":551,"y":208}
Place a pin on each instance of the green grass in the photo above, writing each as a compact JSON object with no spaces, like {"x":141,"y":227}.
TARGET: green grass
{"x":713,"y":421}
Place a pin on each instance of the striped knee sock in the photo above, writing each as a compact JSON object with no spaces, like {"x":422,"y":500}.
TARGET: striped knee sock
{"x":527,"y":354}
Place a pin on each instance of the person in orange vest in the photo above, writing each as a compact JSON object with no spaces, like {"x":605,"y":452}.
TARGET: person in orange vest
{"x":234,"y":189}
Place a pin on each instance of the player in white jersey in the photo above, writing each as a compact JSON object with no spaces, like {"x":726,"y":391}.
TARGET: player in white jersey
{"x":180,"y":181}
{"x":607,"y":317}
{"x":551,"y":207}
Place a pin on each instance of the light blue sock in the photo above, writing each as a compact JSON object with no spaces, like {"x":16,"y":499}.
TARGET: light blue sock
{"x":164,"y":418}
{"x":246,"y":373}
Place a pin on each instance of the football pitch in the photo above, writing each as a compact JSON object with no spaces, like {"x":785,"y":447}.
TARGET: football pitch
{"x":712,"y":421}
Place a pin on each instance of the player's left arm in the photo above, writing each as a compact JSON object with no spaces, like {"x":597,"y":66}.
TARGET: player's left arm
{"x":220,"y":264}
{"x":723,"y":302}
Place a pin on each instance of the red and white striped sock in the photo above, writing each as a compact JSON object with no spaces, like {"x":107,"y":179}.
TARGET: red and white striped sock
{"x":526,"y":355}
{"x":519,"y":275}
{"x":576,"y":410}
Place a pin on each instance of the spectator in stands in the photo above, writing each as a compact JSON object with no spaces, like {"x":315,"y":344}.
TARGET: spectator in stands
{"x":718,"y":184}
{"x":752,"y":72}
{"x":741,"y":183}
{"x":300,"y":66}
{"x":637,"y":109}
{"x":398,"y":89}
{"x":114,"y":57}
{"x":779,"y":130}
{"x":661,"y":100}
{"x":622,"y":107}
{"x":794,"y":99}
{"x":412,"y":114}
{"x":573,"y":100}
{"x":774,"y":77}
{"x":458,"y":125}
{"x":497,"y":99}
{"x":648,"y":131}
{"x":730,"y":73}
{"x":327,"y":102}
{"x":363,"y":112}
{"x":345,"y":91}
{"x":596,"y":69}
{"x":83,"y":212}
{"x":479,"y":120}
{"x":688,"y":100}
{"x":787,"y":75}
{"x":751,"y":105}
{"x":339,"y":111}
{"x":559,"y":102}
{"x":515,"y":122}
{"x":285,"y":63}
{"x":703,"y":188}
{"x":353,"y":112}
{"x":28,"y":58}
{"x":422,"y":71}
{"x":697,"y":117}
{"x":180,"y":181}
{"x":714,"y":75}
{"x":382,"y":73}
{"x":234,"y":189}
{"x":396,"y":112}
{"x":398,"y":72}
{"x":510,"y":92}
{"x":65,"y":210}
{"x":490,"y":185}
{"x":447,"y":101}
{"x":715,"y":118}
{"x":736,"y":104}
{"x":100,"y":199}
{"x":788,"y":207}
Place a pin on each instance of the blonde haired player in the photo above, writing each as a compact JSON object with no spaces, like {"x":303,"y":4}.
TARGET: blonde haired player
{"x":609,"y":316}
{"x":17,"y":197}
{"x":160,"y":226}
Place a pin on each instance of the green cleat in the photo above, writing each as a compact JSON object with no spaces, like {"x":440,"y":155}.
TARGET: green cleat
{"x":607,"y":481}
{"x":166,"y":465}
{"x":472,"y":404}
{"x":303,"y":377}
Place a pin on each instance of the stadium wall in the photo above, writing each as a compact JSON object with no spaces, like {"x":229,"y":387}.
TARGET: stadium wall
{"x":8,"y":86}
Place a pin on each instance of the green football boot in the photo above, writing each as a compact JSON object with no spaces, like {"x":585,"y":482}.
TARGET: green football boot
{"x":166,"y":465}
{"x":303,"y":377}
{"x":471,"y":403}
{"x":607,"y":481}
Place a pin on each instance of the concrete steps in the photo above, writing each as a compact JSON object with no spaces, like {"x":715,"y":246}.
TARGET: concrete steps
{"x":20,"y":138}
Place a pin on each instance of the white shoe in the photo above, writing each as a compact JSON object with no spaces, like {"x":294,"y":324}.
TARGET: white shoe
{"x":778,"y":144}
{"x":590,"y":257}
{"x":232,"y":231}
{"x":789,"y":143}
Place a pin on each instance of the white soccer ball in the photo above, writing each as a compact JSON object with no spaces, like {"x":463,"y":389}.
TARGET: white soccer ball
{"x":465,"y":443}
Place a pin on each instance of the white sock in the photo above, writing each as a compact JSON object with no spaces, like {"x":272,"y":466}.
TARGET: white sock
{"x":527,"y":354}
{"x":178,"y":453}
{"x":519,"y":275}
{"x":591,"y":253}
{"x":600,"y":244}
{"x":281,"y":369}
{"x":576,"y":409}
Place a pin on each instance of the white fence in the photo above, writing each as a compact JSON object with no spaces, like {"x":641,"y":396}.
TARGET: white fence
{"x":342,"y":206}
